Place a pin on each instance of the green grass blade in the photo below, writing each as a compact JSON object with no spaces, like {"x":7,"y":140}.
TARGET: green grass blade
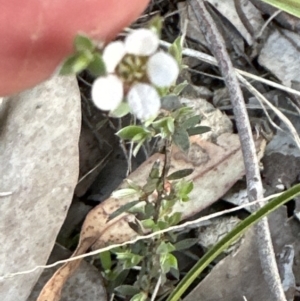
{"x":230,"y":238}
{"x":290,"y":6}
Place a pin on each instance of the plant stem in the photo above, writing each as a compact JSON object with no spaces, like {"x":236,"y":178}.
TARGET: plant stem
{"x":254,"y":184}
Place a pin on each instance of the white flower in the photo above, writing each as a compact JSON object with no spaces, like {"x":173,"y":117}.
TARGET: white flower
{"x":129,"y":62}
{"x":141,"y":42}
{"x":113,"y":54}
{"x":144,"y":101}
{"x":162,"y":69}
{"x":107,"y":92}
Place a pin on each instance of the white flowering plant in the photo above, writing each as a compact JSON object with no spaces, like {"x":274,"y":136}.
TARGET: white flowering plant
{"x":135,"y":76}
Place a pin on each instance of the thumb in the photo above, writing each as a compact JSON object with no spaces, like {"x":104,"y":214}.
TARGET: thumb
{"x":36,"y":35}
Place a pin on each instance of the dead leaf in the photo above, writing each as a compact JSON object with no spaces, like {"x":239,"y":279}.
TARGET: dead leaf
{"x":85,"y":285}
{"x":280,"y":55}
{"x":39,"y":165}
{"x":216,"y":168}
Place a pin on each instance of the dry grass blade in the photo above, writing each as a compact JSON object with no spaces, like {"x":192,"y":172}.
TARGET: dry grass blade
{"x":262,"y":100}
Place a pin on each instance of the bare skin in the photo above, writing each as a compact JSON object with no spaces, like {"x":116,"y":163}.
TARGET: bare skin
{"x":36,"y":35}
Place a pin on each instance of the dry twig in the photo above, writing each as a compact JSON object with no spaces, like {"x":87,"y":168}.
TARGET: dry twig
{"x":254,"y":184}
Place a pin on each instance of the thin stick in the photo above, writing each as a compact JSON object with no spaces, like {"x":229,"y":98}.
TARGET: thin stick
{"x":193,"y":223}
{"x":262,"y":99}
{"x":254,"y":184}
{"x":211,"y":60}
{"x":158,"y":283}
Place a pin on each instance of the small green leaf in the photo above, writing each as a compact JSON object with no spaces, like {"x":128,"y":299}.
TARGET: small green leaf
{"x":154,"y":173}
{"x":150,"y":186}
{"x":130,"y":131}
{"x":124,"y":192}
{"x":191,"y":122}
{"x":148,"y":223}
{"x":149,"y":210}
{"x":176,"y":50}
{"x":76,"y":63}
{"x":185,"y":189}
{"x":127,"y":290}
{"x":179,"y":174}
{"x":162,"y":225}
{"x":198,"y":130}
{"x":133,"y":185}
{"x":165,"y":248}
{"x":105,"y":259}
{"x":168,"y":261}
{"x":139,"y":297}
{"x":174,"y":219}
{"x":185,"y":243}
{"x":181,"y":139}
{"x":170,"y":103}
{"x":155,"y":24}
{"x":83,"y":42}
{"x":180,"y":87}
{"x":137,"y":148}
{"x":121,"y":111}
{"x":123,"y":209}
{"x":97,"y":66}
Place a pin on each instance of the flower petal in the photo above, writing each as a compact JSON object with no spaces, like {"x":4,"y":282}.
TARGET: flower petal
{"x":113,"y":54}
{"x":162,"y":69}
{"x":141,"y":42}
{"x":144,"y":101}
{"x":107,"y":92}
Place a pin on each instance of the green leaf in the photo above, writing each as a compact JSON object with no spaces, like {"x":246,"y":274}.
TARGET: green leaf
{"x":137,"y":148}
{"x":290,"y":6}
{"x":179,"y":174}
{"x":165,"y":248}
{"x":165,"y":126}
{"x":83,"y":42}
{"x":168,"y":261}
{"x":232,"y":236}
{"x":185,"y":189}
{"x":198,"y":130}
{"x":180,"y":87}
{"x":105,"y":259}
{"x":191,"y":122}
{"x":185,"y":243}
{"x":123,"y":209}
{"x":181,"y":139}
{"x":121,"y":111}
{"x":116,"y":278}
{"x":76,"y":63}
{"x":97,"y":66}
{"x":149,"y":210}
{"x":174,"y":219}
{"x":124,"y":192}
{"x":155,"y":24}
{"x":130,"y":131}
{"x":139,"y":297}
{"x":148,"y":223}
{"x":127,"y":290}
{"x":170,"y":102}
{"x":176,"y":50}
